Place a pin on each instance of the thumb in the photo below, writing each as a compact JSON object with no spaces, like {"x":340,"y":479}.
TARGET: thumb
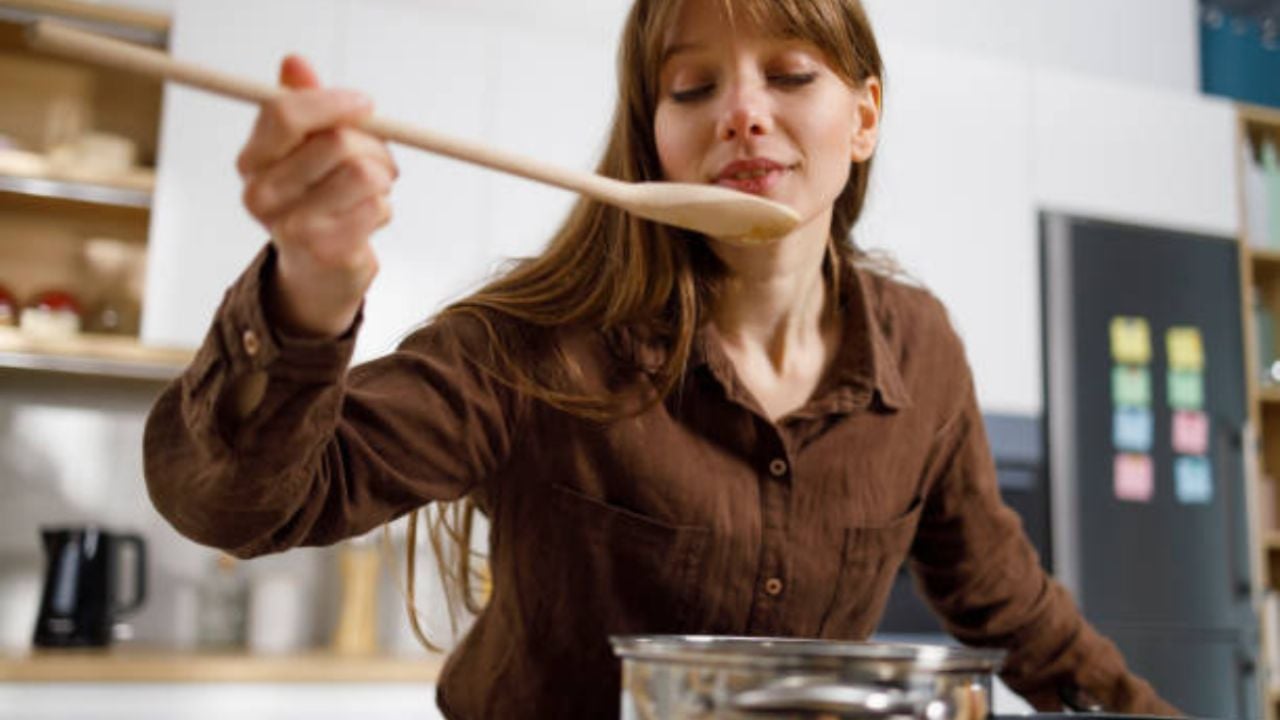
{"x":297,"y":73}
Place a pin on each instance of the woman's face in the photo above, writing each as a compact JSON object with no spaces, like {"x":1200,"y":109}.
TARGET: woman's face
{"x":748,"y":110}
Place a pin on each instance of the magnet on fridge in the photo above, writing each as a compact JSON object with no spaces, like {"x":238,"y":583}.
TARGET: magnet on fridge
{"x":1186,"y":350}
{"x":1186,"y":389}
{"x":1130,"y":386}
{"x":1193,"y":480}
{"x":1130,"y":340}
{"x":1190,"y":432}
{"x":1134,"y":479}
{"x":1132,"y":429}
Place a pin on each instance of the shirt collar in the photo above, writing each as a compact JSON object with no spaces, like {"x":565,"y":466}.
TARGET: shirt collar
{"x":865,"y":368}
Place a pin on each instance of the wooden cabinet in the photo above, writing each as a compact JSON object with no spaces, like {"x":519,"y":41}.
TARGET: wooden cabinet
{"x":1260,"y":275}
{"x":78,"y":147}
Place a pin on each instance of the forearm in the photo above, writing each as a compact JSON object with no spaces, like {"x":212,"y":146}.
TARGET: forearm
{"x":984,"y":578}
{"x":236,"y":445}
{"x":267,"y":442}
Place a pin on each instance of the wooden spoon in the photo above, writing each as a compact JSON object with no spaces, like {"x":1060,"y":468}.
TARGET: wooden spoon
{"x":714,"y":211}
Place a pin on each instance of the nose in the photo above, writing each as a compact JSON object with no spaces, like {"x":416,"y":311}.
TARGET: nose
{"x":745,"y":113}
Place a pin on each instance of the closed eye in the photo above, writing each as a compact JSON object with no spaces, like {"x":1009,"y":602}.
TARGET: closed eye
{"x":783,"y":80}
{"x":693,"y":94}
{"x":793,"y":80}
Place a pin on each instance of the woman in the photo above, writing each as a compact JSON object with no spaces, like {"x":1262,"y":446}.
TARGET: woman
{"x":668,"y":433}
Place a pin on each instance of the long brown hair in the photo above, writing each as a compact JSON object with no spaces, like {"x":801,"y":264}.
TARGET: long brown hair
{"x":608,"y":270}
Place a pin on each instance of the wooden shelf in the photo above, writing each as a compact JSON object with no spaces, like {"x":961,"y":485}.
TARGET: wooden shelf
{"x":34,"y":175}
{"x":87,"y":354}
{"x":1264,"y":256}
{"x":77,"y":191}
{"x":161,"y":666}
{"x":1259,"y":114}
{"x":129,"y":24}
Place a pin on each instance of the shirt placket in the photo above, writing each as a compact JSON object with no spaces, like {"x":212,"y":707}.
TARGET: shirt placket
{"x":772,"y":581}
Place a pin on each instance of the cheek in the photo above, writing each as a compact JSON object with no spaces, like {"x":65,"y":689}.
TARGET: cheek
{"x":666,"y":139}
{"x":676,"y":146}
{"x":834,"y":133}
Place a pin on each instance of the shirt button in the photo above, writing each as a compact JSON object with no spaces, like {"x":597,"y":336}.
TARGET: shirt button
{"x":778,"y":467}
{"x":773,"y":586}
{"x":251,"y":343}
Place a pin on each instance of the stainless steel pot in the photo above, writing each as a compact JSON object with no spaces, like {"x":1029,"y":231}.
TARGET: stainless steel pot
{"x":674,"y":677}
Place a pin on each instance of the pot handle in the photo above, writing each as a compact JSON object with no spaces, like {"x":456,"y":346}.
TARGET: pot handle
{"x":830,"y":697}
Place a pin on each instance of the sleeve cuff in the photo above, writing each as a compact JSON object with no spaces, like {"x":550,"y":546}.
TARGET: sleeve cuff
{"x":252,"y":344}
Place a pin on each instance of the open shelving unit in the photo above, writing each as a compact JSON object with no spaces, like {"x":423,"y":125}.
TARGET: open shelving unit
{"x":104,"y":356}
{"x":1260,"y":277}
{"x":52,"y":206}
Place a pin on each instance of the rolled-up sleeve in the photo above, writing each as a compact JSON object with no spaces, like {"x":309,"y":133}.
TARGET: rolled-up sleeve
{"x":268,"y":442}
{"x":981,"y":574}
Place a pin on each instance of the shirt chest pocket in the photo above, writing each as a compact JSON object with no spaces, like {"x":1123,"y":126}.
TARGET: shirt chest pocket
{"x":869,"y":562}
{"x":626,"y":572}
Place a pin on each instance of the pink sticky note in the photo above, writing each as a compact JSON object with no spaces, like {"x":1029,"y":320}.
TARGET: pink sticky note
{"x":1134,"y":478}
{"x":1190,"y":433}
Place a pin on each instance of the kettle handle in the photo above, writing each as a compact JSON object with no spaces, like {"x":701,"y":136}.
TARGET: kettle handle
{"x":140,"y":575}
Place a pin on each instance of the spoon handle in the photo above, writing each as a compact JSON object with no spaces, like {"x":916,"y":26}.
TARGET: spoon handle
{"x":57,"y":38}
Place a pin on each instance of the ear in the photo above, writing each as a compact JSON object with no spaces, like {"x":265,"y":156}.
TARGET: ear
{"x":866,"y":129}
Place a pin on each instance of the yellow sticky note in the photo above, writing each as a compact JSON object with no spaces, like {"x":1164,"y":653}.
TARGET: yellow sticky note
{"x":1186,"y":350}
{"x":1130,"y":340}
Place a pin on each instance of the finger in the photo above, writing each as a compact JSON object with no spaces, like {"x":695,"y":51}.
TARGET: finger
{"x":330,"y":236}
{"x":285,"y":182}
{"x":348,"y":185}
{"x":367,"y":217}
{"x":285,"y":122}
{"x":297,"y":73}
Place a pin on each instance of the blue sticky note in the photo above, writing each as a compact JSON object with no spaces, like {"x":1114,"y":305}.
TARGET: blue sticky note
{"x":1131,"y":386}
{"x":1193,"y":480}
{"x":1132,"y":429}
{"x":1186,"y":390}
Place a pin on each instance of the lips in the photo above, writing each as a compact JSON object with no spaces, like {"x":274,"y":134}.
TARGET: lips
{"x":756,"y":176}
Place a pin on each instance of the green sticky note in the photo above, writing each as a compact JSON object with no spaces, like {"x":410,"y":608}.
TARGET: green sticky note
{"x":1130,"y":386}
{"x":1186,"y":390}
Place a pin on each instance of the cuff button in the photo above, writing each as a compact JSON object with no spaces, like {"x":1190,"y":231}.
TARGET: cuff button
{"x":252,"y":345}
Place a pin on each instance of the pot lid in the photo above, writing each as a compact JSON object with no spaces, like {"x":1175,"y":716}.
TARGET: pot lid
{"x":774,"y":652}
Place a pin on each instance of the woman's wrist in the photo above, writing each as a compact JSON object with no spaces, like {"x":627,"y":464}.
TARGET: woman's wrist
{"x":307,"y":307}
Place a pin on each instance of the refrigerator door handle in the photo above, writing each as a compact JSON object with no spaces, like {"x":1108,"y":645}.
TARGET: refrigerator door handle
{"x":1229,"y":447}
{"x":1247,"y":690}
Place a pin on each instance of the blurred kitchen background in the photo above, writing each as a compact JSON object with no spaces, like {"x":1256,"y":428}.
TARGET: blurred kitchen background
{"x":1092,"y":188}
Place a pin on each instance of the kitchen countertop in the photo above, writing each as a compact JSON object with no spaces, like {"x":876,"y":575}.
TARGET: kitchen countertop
{"x":158,"y":665}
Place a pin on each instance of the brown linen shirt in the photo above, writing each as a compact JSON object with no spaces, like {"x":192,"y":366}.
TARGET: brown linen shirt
{"x":698,"y":515}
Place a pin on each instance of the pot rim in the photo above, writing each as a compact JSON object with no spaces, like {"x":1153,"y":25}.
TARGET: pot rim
{"x":774,"y":651}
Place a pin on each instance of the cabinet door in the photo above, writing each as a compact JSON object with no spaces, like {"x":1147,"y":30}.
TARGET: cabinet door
{"x":477,"y":71}
{"x":533,"y":88}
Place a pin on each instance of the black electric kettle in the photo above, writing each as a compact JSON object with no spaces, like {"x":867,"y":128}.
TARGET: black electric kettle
{"x":81,"y":599}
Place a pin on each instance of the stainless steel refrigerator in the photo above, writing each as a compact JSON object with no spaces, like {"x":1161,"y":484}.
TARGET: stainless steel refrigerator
{"x":1145,"y":432}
